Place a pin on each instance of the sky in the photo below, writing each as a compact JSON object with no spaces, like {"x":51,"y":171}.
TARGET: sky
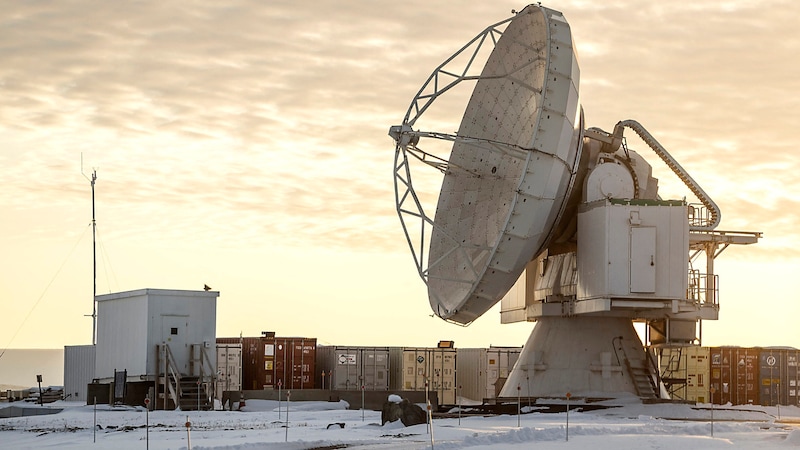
{"x":244,"y":145}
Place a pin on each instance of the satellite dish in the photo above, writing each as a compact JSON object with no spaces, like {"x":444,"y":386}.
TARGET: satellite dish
{"x":513,"y":162}
{"x":568,"y":219}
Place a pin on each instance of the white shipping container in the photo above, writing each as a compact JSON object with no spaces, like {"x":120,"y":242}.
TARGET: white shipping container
{"x":348,"y":368}
{"x":482,"y":372}
{"x":413,"y":367}
{"x":78,"y":371}
{"x":229,"y":369}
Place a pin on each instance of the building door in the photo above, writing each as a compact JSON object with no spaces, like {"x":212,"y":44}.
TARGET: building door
{"x":643,"y":260}
{"x":174,"y":332}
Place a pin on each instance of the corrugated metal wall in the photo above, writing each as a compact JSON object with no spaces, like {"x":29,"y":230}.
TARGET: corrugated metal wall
{"x":350,"y":367}
{"x":698,"y":374}
{"x":412,"y":367}
{"x":295,"y":362}
{"x":482,"y":372}
{"x":229,"y":369}
{"x":735,"y":375}
{"x":79,"y":362}
{"x":267,"y":361}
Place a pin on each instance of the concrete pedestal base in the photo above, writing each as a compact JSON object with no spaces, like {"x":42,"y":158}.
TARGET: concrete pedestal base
{"x":585,"y":356}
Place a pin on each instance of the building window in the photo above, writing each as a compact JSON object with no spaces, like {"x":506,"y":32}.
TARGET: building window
{"x":173,"y":331}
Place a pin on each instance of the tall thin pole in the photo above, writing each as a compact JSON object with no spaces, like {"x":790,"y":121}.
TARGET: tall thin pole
{"x":94,"y":266}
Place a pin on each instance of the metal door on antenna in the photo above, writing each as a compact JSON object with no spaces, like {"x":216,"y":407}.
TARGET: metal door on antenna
{"x":561,"y":224}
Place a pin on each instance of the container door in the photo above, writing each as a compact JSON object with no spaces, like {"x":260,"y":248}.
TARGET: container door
{"x":268,"y":378}
{"x":792,"y":381}
{"x":374,"y":369}
{"x":770,"y":371}
{"x":346,"y":372}
{"x":282,"y":367}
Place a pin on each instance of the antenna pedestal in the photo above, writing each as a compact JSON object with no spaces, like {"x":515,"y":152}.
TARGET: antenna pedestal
{"x":586,"y":356}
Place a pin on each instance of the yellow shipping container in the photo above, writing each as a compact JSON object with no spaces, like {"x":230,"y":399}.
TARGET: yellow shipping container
{"x":686,"y":372}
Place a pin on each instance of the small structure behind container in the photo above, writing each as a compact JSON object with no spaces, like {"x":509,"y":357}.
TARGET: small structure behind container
{"x":349,"y":368}
{"x":735,"y":375}
{"x":229,"y":369}
{"x":412,"y":367}
{"x":482,"y":372}
{"x":78,"y":371}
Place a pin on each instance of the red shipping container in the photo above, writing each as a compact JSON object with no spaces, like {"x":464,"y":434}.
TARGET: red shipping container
{"x":295,"y":362}
{"x":734,"y":375}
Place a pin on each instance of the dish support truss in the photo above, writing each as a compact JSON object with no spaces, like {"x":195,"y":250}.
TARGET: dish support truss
{"x":409,"y":206}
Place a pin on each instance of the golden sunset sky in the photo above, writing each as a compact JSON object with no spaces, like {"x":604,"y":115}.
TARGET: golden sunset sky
{"x":243,"y":145}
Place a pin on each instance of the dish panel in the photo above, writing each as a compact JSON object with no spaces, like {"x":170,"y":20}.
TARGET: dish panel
{"x":506,"y":188}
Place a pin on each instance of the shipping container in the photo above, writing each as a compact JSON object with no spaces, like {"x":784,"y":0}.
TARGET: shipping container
{"x":229,"y":369}
{"x":482,"y":372}
{"x":735,"y":375}
{"x":348,"y":368}
{"x":685,"y":372}
{"x":779,"y":376}
{"x":770,"y":367}
{"x":269,"y":360}
{"x":254,"y":374}
{"x":295,"y":362}
{"x":792,"y":380}
{"x":412,"y":367}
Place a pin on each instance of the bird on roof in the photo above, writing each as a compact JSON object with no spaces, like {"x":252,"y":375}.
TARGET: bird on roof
{"x":206,"y":287}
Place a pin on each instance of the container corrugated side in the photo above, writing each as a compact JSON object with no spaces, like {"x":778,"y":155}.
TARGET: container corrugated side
{"x":413,"y":367}
{"x":792,"y":380}
{"x":734,"y":375}
{"x":229,"y":369}
{"x":350,"y":367}
{"x":295,"y":362}
{"x":471,"y":373}
{"x":500,"y":361}
{"x":482,"y":372}
{"x":771,"y":367}
{"x":254,"y":375}
{"x":698,"y":374}
{"x":79,"y":362}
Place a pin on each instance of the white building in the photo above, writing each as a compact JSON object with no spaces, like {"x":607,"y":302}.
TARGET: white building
{"x":164,"y":339}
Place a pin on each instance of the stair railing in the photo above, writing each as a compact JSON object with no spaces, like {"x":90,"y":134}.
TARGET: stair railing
{"x":206,"y":371}
{"x":172,"y":376}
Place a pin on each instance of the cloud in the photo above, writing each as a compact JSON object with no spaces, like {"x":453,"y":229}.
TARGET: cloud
{"x":243,"y":117}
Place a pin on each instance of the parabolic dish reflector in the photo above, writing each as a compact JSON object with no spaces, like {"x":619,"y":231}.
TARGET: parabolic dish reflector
{"x":511,"y":168}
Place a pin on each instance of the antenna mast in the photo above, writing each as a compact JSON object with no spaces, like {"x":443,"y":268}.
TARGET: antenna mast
{"x":94,"y":266}
{"x":94,"y":257}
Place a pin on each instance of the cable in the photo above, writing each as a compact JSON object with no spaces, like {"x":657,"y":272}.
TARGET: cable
{"x":44,"y":292}
{"x":107,"y":263}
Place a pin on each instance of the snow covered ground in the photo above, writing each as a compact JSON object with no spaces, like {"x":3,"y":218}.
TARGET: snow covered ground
{"x":314,"y":425}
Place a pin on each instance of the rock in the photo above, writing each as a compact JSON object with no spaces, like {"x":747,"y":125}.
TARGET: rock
{"x":405,"y":411}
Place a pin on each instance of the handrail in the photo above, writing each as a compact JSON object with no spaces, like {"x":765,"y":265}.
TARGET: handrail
{"x":656,"y":383}
{"x":171,"y":373}
{"x":662,"y":153}
{"x":205,"y":371}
